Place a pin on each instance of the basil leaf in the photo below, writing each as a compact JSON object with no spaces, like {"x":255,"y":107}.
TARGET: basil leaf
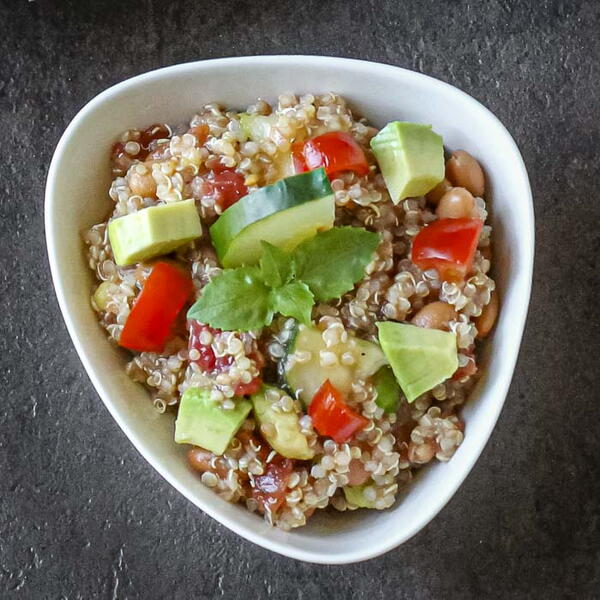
{"x":235,"y":300}
{"x":333,"y":261}
{"x":293,"y":300}
{"x":276,"y":266}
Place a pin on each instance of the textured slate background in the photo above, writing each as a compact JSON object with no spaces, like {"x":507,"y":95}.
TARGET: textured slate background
{"x":81,"y":514}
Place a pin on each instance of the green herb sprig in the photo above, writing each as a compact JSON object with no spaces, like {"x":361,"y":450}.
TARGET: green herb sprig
{"x":320,"y":269}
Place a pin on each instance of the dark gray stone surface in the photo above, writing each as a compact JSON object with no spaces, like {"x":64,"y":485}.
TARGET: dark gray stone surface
{"x":82,"y":515}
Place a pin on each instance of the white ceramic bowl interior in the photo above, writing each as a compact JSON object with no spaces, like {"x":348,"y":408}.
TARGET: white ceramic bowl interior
{"x":76,"y":197}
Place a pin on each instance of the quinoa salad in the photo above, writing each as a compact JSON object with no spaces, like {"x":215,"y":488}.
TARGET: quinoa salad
{"x":305,"y":293}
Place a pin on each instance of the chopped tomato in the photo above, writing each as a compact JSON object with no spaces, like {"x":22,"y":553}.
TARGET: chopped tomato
{"x":269,"y":489}
{"x":158,"y":131}
{"x":227,"y":185}
{"x":336,"y":151}
{"x":164,"y":294}
{"x":332,"y":417}
{"x":447,"y":245}
{"x":207,"y":361}
{"x":212,"y":364}
{"x":245,"y":389}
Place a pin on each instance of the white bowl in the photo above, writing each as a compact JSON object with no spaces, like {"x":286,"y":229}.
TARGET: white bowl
{"x":76,"y":197}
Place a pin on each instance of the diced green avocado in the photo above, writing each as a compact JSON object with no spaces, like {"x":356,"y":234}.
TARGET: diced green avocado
{"x":355,"y":494}
{"x":202,"y":422}
{"x":305,"y":378}
{"x":388,"y":390}
{"x":411,"y":158}
{"x":153,"y":231}
{"x":282,"y":429}
{"x":285,"y":214}
{"x":420,"y":358}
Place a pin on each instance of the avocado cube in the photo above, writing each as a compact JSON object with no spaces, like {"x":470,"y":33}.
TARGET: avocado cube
{"x":411,"y":158}
{"x":202,"y":422}
{"x":420,"y":358}
{"x":153,"y":231}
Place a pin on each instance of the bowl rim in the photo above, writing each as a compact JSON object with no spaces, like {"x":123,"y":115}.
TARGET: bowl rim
{"x":51,"y":205}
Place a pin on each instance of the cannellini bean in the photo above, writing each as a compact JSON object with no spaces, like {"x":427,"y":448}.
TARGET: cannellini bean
{"x":434,"y":315}
{"x":435,"y":195}
{"x":464,"y":171}
{"x":141,"y":182}
{"x":485,"y":321}
{"x":457,"y":203}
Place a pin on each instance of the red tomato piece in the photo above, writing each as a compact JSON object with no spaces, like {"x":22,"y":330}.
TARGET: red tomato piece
{"x":207,"y":360}
{"x":158,"y":131}
{"x":269,"y":489}
{"x":332,"y":417}
{"x":149,"y":323}
{"x":228,"y":187}
{"x":212,"y":365}
{"x":336,"y":151}
{"x":447,"y":245}
{"x":245,"y":389}
{"x":298,"y":157}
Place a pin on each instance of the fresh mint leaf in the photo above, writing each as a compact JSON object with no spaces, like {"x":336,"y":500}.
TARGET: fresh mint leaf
{"x":276,"y":266}
{"x":293,"y":300}
{"x":235,"y":300}
{"x":333,"y":261}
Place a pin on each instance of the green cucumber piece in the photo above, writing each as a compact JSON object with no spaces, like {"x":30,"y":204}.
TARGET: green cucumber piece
{"x":411,"y":158}
{"x":281,"y":429}
{"x":153,"y":231}
{"x":420,"y":358}
{"x":388,"y":390}
{"x":355,"y":494}
{"x":285,"y":214}
{"x":256,"y":127}
{"x":305,"y":378}
{"x":202,"y":422}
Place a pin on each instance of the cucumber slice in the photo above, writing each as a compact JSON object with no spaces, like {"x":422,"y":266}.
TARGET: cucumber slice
{"x":285,"y":214}
{"x":305,"y":377}
{"x":280,"y":429}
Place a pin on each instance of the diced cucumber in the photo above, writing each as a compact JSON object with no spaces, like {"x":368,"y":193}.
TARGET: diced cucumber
{"x":256,"y":127}
{"x":285,"y":214}
{"x":355,"y":495}
{"x":281,"y":429}
{"x":304,"y":372}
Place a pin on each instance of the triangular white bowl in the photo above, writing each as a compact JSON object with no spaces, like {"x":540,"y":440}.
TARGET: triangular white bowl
{"x":76,"y":197}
